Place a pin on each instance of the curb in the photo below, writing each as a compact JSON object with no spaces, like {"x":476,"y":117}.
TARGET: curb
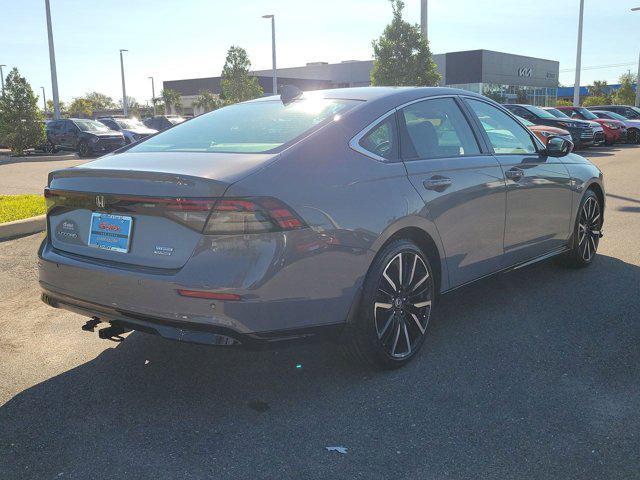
{"x":26,"y":226}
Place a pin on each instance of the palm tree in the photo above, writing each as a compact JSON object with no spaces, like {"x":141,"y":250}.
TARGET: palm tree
{"x":208,"y":101}
{"x":172,"y":99}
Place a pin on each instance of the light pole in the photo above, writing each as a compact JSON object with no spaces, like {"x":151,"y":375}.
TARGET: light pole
{"x":153,"y":96}
{"x":125,"y":110}
{"x":44,"y":101}
{"x":423,"y":19}
{"x":273,"y":51}
{"x":2,"y":78}
{"x":52,"y":61}
{"x":635,"y":9}
{"x":576,"y":85}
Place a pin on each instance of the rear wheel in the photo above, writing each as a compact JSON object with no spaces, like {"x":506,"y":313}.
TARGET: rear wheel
{"x":586,"y":234}
{"x":396,"y":305}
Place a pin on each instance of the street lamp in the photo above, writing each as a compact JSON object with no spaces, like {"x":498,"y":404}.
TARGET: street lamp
{"x":273,"y":51}
{"x":153,"y":95}
{"x":125,"y":110}
{"x":2,"y":78}
{"x":576,"y":85}
{"x":52,"y":62}
{"x":635,"y":9}
{"x":423,"y":19}
{"x":44,"y":101}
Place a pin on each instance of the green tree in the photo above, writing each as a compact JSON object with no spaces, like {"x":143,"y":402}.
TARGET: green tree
{"x":625,"y":95}
{"x":208,"y":101}
{"x":402,"y":55}
{"x":100,"y":101}
{"x":236,"y":83}
{"x":21,"y":120}
{"x":63,"y":107}
{"x":80,"y":108}
{"x":171,"y":99}
{"x":593,"y":100}
{"x":600,"y":89}
{"x":564,"y":103}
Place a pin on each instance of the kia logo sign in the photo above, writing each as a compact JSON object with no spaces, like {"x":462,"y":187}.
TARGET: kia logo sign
{"x":525,"y":72}
{"x":100,"y":201}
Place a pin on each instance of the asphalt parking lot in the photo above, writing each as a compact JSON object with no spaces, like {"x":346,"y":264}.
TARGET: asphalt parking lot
{"x":29,"y":174}
{"x":531,"y":374}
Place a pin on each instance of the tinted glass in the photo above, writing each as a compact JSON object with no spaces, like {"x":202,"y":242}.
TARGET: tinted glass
{"x":631,"y":112}
{"x":586,"y":114}
{"x":435,"y":129}
{"x":557,"y":113}
{"x":90,"y":126}
{"x":249,"y":127}
{"x":381,"y":139}
{"x":505,"y":134}
{"x":611,"y":115}
{"x":538,"y":112}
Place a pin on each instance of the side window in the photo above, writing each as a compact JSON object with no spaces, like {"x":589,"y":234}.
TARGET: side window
{"x":505,"y":134}
{"x":435,"y":129}
{"x":524,"y":113}
{"x":69,"y":126}
{"x":111,"y":124}
{"x":381,"y":139}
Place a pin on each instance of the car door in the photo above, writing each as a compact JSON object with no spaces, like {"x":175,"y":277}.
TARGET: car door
{"x":69,"y":134}
{"x":539,"y":196}
{"x":460,"y":182}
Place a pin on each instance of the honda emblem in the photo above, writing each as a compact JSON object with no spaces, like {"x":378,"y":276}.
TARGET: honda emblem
{"x":100,"y":201}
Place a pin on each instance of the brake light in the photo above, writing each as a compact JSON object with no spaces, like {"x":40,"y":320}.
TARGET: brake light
{"x":251,"y":215}
{"x":191,"y":212}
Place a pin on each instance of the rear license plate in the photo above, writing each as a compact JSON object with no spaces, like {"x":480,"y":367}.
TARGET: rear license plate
{"x":110,"y":232}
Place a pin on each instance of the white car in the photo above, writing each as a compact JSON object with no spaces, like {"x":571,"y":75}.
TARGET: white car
{"x":132,"y":128}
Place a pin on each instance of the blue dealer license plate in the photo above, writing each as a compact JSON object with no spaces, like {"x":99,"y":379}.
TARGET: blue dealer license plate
{"x":110,"y":232}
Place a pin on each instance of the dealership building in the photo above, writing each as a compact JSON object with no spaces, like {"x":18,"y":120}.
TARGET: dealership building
{"x":502,"y":76}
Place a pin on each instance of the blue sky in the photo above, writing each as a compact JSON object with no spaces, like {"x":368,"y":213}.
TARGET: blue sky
{"x":188,"y":38}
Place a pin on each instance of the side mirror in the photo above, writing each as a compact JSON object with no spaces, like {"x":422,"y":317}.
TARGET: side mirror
{"x":558,"y":147}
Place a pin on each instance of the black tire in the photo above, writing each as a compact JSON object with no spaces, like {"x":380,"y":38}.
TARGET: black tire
{"x":84,"y":150}
{"x":393,"y":315}
{"x":586,"y":233}
{"x":50,"y":148}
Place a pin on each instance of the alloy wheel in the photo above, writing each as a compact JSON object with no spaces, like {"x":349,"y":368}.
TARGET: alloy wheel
{"x":403,"y":304}
{"x":589,"y":229}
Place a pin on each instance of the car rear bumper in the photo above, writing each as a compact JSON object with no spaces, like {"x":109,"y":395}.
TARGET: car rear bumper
{"x":284,"y":283}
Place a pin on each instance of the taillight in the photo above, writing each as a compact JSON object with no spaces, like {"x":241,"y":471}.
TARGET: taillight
{"x":191,"y":212}
{"x":251,"y":215}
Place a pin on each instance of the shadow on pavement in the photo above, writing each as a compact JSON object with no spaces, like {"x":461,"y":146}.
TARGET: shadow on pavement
{"x":38,"y":158}
{"x":531,"y":374}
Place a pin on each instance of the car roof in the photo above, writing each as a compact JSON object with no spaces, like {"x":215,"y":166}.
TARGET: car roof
{"x":376,"y":93}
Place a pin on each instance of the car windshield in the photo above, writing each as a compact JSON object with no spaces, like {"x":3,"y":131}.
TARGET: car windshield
{"x":525,"y":121}
{"x":557,"y":113}
{"x":615,"y":116}
{"x":129,"y":123}
{"x":586,"y":113}
{"x":175,"y":120}
{"x":90,"y":126}
{"x":252,"y":127}
{"x":539,"y":112}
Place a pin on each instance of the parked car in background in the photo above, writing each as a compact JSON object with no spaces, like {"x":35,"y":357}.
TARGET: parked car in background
{"x":339,"y":213}
{"x":132,"y":128}
{"x":87,"y":137}
{"x":544,"y":132}
{"x":162,"y":122}
{"x":583,"y":133}
{"x":614,"y":131}
{"x":627,"y":111}
{"x":632,"y":126}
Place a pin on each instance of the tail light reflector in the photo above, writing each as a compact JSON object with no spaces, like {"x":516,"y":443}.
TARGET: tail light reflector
{"x":209,"y":295}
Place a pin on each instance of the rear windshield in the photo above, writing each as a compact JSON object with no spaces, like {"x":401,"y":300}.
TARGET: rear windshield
{"x":247,"y":127}
{"x":586,"y":113}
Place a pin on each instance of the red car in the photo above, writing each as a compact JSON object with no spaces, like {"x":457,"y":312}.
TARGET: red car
{"x":614,"y":130}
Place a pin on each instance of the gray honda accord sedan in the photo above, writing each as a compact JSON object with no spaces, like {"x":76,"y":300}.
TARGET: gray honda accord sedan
{"x":339,"y":214}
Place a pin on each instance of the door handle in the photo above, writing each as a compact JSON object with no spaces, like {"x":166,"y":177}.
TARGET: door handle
{"x":437,"y":183}
{"x":514,"y":174}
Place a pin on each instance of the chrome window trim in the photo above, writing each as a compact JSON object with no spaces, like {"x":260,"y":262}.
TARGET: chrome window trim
{"x":354,"y":143}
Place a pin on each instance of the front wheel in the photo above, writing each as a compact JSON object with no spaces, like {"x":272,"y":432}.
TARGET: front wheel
{"x":50,"y":148}
{"x":587,"y":233}
{"x":84,"y":150}
{"x":397,"y":302}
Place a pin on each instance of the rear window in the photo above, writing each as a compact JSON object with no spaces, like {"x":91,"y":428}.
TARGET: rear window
{"x":247,"y":127}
